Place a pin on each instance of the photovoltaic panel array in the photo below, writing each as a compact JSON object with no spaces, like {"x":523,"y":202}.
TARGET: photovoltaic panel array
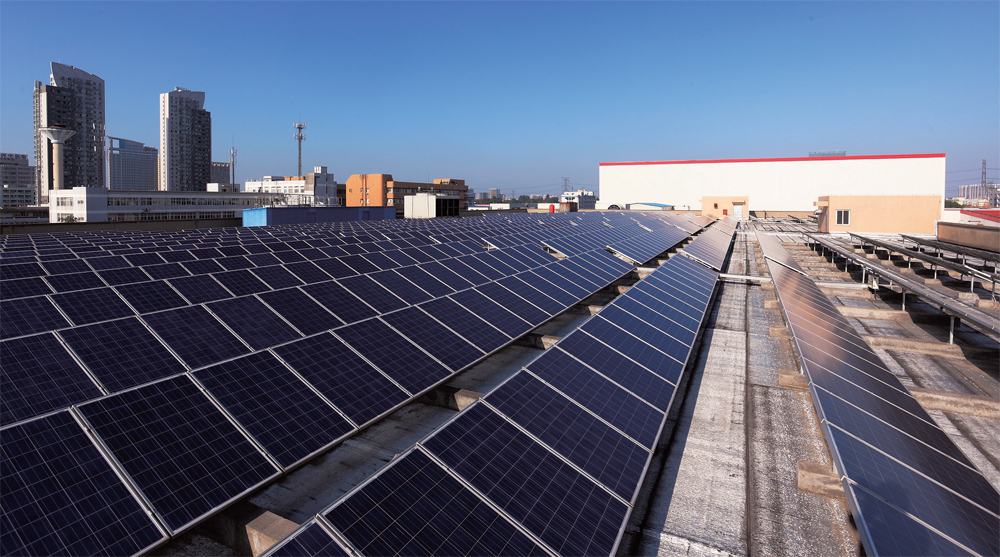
{"x":200,"y":359}
{"x":560,"y":448}
{"x":712,"y":246}
{"x":911,"y":489}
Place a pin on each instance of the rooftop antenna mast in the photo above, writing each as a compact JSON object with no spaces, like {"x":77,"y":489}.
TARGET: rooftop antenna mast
{"x":232,"y":162}
{"x":300,"y":136}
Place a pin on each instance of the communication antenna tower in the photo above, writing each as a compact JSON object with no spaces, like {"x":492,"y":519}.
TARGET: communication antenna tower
{"x":300,"y":136}
{"x":232,"y":164}
{"x":984,"y":174}
{"x":565,"y":184}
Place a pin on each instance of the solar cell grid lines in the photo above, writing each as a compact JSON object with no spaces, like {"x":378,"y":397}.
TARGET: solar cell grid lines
{"x":122,"y":353}
{"x":603,"y":453}
{"x":444,"y":344}
{"x":409,"y":366}
{"x":420,"y":506}
{"x":195,"y":335}
{"x":51,"y":469}
{"x":178,"y":448}
{"x":270,"y":402}
{"x":516,"y":473}
{"x":39,"y":375}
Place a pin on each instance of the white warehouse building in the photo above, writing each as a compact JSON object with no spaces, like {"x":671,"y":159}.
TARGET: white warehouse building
{"x":775,"y":184}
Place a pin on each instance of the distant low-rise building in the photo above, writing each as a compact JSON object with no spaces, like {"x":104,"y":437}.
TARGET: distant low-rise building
{"x":368,"y":190}
{"x":102,"y":205}
{"x":584,"y":199}
{"x":319,"y":184}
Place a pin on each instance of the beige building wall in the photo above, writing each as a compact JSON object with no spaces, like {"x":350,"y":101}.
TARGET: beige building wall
{"x":718,"y":207}
{"x":906,"y":214}
{"x":970,"y":235}
{"x":367,"y":190}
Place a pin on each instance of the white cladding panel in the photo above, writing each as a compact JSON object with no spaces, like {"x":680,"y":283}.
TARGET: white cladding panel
{"x":771,"y":185}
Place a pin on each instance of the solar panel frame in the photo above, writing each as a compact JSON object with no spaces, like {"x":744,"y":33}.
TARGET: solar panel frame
{"x":442,"y":516}
{"x":286,"y":417}
{"x":44,"y":461}
{"x":195,"y":335}
{"x":585,"y":521}
{"x":185,"y":473}
{"x":607,"y":456}
{"x":407,"y":365}
{"x":40,"y":376}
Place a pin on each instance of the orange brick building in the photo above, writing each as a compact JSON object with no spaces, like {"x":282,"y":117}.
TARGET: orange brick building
{"x":365,"y":190}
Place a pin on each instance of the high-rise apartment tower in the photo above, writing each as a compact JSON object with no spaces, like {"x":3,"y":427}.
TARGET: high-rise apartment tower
{"x":185,"y":141}
{"x":131,"y":165}
{"x":74,"y":100}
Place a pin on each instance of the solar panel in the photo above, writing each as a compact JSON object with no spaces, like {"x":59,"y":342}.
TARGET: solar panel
{"x":62,"y":498}
{"x":425,"y":281}
{"x":235,"y":263}
{"x":22,"y":288}
{"x":400,"y":258}
{"x":334,"y":297}
{"x":202,"y":266}
{"x":528,"y":292}
{"x":359,"y":264}
{"x":605,"y":454}
{"x":105,"y":263}
{"x":39,"y":376}
{"x":286,"y":417}
{"x":195,"y":335}
{"x":178,"y":448}
{"x":401,"y":287}
{"x":75,"y":281}
{"x":263,"y":259}
{"x":445,"y":275}
{"x":277,"y":277}
{"x":123,"y":276}
{"x":883,"y":442}
{"x":563,"y":279}
{"x":551,"y":499}
{"x":253,"y":321}
{"x":66,"y":266}
{"x":415,"y":507}
{"x":380,"y":260}
{"x":21,"y":270}
{"x":373,"y":293}
{"x":91,"y":306}
{"x":643,"y":329}
{"x":152,"y":296}
{"x":620,"y":408}
{"x":436,"y":339}
{"x":406,"y":364}
{"x":289,"y":256}
{"x":492,"y":312}
{"x":200,"y":289}
{"x":122,"y":353}
{"x":481,"y":266}
{"x":308,"y":272}
{"x":311,"y":540}
{"x":475,"y":329}
{"x":517,"y":305}
{"x":650,"y":357}
{"x":612,"y":365}
{"x":304,"y":313}
{"x":335,"y":268}
{"x":166,"y":271}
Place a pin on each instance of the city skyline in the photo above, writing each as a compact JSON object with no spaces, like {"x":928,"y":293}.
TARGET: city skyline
{"x":516,"y":96}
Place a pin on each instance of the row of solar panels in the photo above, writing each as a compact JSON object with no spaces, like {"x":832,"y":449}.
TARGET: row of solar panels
{"x":550,"y":462}
{"x":13,"y":246}
{"x":912,"y":491}
{"x":187,"y":458}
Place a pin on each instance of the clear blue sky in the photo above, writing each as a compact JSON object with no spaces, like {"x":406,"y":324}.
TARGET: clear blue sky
{"x":517,"y":95}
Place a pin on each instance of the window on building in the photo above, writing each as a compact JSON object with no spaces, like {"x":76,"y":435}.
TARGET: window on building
{"x":715,"y":205}
{"x":844,"y":217}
